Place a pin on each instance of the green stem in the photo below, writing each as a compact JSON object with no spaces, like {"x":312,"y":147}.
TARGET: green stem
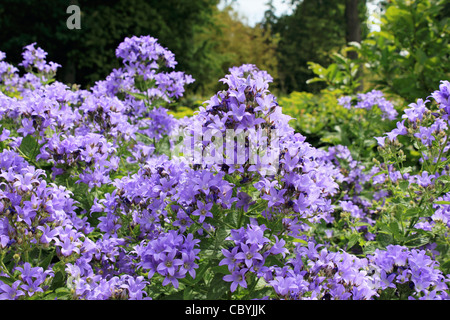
{"x":241,"y":214}
{"x":3,"y":267}
{"x":440,"y":154}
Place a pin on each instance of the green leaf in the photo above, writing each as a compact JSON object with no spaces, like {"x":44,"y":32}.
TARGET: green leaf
{"x":58,"y":281}
{"x":300,"y":241}
{"x":380,"y":172}
{"x":200,"y":272}
{"x":29,"y":147}
{"x":395,"y":228}
{"x":384,"y":239}
{"x":232,"y":218}
{"x":354,"y":238}
{"x":316,"y":79}
{"x":217,"y":288}
{"x":187,"y":293}
{"x":138,"y":95}
{"x":220,"y":269}
{"x":46,"y":262}
{"x":404,"y":185}
{"x":63,"y":293}
{"x":412,"y":212}
{"x":6,"y":280}
{"x":332,"y":71}
{"x":442,"y":202}
{"x":417,"y":241}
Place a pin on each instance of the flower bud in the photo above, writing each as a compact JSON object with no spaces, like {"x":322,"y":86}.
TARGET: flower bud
{"x":16,"y":257}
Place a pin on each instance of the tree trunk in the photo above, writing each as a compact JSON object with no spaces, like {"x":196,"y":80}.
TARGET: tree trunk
{"x":353,"y":32}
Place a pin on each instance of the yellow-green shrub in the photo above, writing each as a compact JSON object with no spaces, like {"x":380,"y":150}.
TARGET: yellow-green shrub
{"x":314,"y":114}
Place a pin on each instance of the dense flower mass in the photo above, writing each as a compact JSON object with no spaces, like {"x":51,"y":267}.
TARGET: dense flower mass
{"x":106,"y":195}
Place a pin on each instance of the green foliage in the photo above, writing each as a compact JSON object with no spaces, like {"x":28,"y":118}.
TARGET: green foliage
{"x":182,"y":112}
{"x":409,"y":55}
{"x":314,"y":115}
{"x":325,"y":123}
{"x":230,"y":42}
{"x":313,"y":31}
{"x":341,"y":76}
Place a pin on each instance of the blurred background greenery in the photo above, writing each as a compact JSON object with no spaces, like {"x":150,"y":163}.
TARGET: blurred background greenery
{"x":319,"y":45}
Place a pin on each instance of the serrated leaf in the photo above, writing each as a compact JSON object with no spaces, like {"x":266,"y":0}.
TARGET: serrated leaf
{"x":394,"y":228}
{"x":384,"y":239}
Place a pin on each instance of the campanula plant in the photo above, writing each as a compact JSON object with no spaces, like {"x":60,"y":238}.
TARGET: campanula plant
{"x":105,"y":195}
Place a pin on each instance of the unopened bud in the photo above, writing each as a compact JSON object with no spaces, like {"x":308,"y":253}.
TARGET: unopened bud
{"x":16,"y":257}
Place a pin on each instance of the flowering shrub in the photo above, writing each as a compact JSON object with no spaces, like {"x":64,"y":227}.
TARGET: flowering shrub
{"x":106,"y":195}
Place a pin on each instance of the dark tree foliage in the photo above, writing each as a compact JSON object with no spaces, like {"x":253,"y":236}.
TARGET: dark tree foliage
{"x":316,"y":28}
{"x":88,"y":54}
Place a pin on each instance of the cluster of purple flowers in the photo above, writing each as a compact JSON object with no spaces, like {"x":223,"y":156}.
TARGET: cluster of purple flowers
{"x":142,"y":57}
{"x":171,"y":255}
{"x":317,"y":273}
{"x":34,"y":215}
{"x":422,"y":123}
{"x":35,"y":58}
{"x":38,"y":71}
{"x":8,"y":75}
{"x":35,"y":212}
{"x":368,"y":101}
{"x":289,"y":173}
{"x":249,"y":253}
{"x":32,"y":280}
{"x":397,"y":265}
{"x":354,"y":178}
{"x":77,"y":132}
